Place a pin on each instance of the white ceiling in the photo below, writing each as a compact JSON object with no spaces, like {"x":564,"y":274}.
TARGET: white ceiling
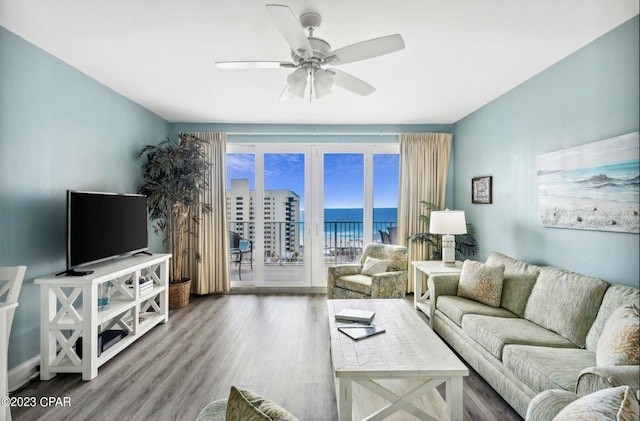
{"x":459,"y":55}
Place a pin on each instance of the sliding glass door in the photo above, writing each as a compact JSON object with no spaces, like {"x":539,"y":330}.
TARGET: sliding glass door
{"x":356,"y":180}
{"x":300,"y":208}
{"x":266,"y":205}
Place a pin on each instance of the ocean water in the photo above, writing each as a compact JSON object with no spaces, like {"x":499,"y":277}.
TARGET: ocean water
{"x":380,"y":215}
{"x":356,"y":214}
{"x":610,"y":183}
{"x":346,"y":223}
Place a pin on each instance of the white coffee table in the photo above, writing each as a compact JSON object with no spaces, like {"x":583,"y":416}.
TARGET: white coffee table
{"x":396,"y":370}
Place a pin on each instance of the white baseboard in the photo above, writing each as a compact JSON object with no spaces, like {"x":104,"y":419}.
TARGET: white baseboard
{"x":24,"y":373}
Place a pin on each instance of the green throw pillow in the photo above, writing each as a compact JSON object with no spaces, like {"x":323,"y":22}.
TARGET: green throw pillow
{"x":481,"y":282}
{"x":616,"y":403}
{"x":245,"y":405}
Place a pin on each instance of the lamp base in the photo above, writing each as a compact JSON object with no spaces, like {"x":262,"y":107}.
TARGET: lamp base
{"x":448,"y":250}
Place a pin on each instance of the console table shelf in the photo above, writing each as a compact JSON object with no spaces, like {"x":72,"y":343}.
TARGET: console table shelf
{"x":70,"y":313}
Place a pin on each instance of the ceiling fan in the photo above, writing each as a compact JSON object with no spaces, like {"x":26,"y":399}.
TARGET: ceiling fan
{"x":311,"y":54}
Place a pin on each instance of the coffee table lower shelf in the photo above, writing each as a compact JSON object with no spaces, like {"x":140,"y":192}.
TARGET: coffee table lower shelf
{"x":378,"y":399}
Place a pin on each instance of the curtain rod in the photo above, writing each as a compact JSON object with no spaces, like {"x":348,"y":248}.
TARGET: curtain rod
{"x":312,"y":134}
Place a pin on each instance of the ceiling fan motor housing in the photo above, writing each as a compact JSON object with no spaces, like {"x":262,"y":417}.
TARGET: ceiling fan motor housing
{"x":320,"y":49}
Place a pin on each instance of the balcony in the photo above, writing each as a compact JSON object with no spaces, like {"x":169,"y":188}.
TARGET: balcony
{"x":284,"y":253}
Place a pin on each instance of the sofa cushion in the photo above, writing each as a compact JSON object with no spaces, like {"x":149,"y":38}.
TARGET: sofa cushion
{"x":481,"y":282}
{"x":616,"y":403}
{"x":619,"y":342}
{"x":565,"y":302}
{"x":543,"y":368}
{"x":373,"y":266}
{"x":493,"y":333}
{"x":357,"y":283}
{"x":615,"y":297}
{"x":519,"y":279}
{"x":456,"y":307}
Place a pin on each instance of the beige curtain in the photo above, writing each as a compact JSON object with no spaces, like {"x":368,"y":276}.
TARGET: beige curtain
{"x":424,"y":162}
{"x":211,"y":275}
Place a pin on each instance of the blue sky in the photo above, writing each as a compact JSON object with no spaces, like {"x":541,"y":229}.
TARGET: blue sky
{"x":343,"y":187}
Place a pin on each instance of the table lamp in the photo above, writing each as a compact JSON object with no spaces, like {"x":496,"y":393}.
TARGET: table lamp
{"x":448,"y":223}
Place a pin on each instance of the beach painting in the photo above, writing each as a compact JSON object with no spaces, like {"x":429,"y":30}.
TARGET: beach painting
{"x":591,"y":187}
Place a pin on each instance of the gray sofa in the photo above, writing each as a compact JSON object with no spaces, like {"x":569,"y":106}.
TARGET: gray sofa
{"x":543,"y":335}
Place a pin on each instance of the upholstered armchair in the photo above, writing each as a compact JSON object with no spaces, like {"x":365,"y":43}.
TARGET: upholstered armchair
{"x":381,"y":273}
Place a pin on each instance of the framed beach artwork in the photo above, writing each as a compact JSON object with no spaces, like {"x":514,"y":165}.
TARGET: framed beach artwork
{"x":591,"y":187}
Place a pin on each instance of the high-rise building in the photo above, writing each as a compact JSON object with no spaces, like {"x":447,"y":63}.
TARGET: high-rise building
{"x":282,"y":223}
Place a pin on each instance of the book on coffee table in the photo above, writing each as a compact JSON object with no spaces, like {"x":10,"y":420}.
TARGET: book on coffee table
{"x":356,"y":333}
{"x":352,"y":315}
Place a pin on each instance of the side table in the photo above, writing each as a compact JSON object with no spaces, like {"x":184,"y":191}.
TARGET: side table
{"x":428,"y":267}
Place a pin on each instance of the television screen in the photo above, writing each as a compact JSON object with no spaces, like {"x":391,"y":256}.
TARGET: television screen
{"x":104,"y":225}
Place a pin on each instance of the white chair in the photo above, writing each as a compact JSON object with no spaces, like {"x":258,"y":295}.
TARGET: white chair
{"x":10,"y":283}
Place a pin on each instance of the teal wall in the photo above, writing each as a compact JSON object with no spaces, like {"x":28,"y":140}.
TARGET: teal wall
{"x":588,"y":96}
{"x":59,"y":130}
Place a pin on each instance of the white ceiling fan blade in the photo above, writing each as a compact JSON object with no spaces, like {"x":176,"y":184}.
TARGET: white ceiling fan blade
{"x":351,"y":83}
{"x":366,"y":49}
{"x":253,"y":64}
{"x":290,"y":28}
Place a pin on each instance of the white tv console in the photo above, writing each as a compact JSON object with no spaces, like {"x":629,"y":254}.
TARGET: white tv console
{"x":70,"y":312}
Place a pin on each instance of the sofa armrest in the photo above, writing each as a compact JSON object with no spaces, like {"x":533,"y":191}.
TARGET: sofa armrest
{"x":441,"y":284}
{"x":546,"y":405}
{"x":337,"y":271}
{"x":592,"y":379}
{"x":389,"y":285}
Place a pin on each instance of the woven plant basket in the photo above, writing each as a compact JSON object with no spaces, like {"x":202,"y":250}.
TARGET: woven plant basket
{"x":179,"y":294}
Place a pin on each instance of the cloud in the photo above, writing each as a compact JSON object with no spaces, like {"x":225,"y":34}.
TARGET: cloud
{"x":241,"y":162}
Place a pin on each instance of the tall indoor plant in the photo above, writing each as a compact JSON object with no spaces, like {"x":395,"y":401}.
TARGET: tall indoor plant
{"x":466,"y":244}
{"x":175,"y":174}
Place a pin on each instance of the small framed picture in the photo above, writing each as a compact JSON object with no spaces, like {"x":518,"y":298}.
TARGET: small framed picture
{"x":481,"y":190}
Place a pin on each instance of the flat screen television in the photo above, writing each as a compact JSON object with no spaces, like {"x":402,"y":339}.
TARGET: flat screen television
{"x":102,"y":226}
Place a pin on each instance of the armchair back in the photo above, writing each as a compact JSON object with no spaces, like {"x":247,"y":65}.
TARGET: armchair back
{"x":395,"y":253}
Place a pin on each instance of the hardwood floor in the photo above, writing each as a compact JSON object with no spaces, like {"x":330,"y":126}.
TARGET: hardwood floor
{"x":275,"y":345}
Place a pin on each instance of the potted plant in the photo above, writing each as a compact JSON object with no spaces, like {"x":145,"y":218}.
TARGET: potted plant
{"x":175,"y":174}
{"x":466,"y":244}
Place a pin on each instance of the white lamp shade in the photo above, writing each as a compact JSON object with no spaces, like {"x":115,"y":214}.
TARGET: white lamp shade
{"x":297,"y":82}
{"x":322,"y":81}
{"x":447,"y":222}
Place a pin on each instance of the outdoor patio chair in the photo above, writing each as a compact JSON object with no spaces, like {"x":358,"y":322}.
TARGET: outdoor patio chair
{"x":238,"y":247}
{"x":393,"y":234}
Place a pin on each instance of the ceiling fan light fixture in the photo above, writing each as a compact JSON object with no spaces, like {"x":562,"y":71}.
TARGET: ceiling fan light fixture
{"x":322,"y":82}
{"x":298,"y":82}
